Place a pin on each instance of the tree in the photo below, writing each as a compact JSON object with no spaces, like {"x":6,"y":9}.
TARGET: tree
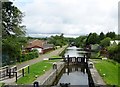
{"x":111,"y":35}
{"x":101,"y":36}
{"x":114,"y":52}
{"x":92,"y":39}
{"x":12,"y":31}
{"x":105,"y":42}
{"x":11,"y":20}
{"x":58,"y":40}
{"x":80,"y":41}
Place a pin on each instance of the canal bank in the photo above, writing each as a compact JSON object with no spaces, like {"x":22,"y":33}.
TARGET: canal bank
{"x":97,"y":79}
{"x":49,"y":77}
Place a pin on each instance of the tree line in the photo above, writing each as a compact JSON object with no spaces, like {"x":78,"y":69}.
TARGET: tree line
{"x":103,"y":40}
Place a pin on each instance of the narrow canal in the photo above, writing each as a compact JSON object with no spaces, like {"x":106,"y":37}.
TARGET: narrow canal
{"x":73,"y":74}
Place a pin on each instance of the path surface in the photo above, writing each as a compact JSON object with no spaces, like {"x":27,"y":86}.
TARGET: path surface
{"x":33,"y":61}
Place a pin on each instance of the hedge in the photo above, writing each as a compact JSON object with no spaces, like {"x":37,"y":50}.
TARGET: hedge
{"x":28,"y":56}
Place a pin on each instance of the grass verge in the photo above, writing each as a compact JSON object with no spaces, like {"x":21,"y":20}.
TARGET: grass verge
{"x":108,"y":70}
{"x":37,"y":69}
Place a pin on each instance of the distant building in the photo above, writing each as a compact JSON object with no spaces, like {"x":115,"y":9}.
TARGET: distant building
{"x":39,"y":45}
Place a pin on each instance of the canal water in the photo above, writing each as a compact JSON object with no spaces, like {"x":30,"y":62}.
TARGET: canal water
{"x":74,"y":74}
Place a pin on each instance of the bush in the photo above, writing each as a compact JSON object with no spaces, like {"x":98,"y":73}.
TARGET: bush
{"x":114,"y":52}
{"x":105,"y":42}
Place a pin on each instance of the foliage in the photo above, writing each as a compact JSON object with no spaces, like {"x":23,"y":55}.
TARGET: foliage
{"x":11,"y":47}
{"x":105,"y":42}
{"x":92,"y":38}
{"x":111,"y":35}
{"x":110,"y":70}
{"x":12,"y":32}
{"x":114,"y":52}
{"x":11,"y":20}
{"x":117,"y":37}
{"x":28,"y":56}
{"x":101,"y":36}
{"x":80,"y":41}
{"x":58,"y":40}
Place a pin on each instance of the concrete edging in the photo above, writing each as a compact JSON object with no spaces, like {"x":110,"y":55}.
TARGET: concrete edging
{"x":51,"y":78}
{"x":97,"y":79}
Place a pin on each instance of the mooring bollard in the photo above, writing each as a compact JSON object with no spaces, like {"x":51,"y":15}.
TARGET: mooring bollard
{"x":54,"y":65}
{"x":36,"y":84}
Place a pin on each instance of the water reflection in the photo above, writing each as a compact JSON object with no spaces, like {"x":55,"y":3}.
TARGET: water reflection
{"x":73,"y":52}
{"x":74,"y":74}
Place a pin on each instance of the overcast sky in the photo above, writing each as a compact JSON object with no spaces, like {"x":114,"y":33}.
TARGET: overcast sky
{"x":71,"y":17}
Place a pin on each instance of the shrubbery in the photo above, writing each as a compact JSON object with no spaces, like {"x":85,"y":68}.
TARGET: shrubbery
{"x":114,"y":52}
{"x":28,"y":56}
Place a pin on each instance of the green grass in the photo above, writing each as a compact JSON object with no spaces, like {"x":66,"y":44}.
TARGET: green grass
{"x":1,"y":84}
{"x":35,"y":69}
{"x":110,"y":69}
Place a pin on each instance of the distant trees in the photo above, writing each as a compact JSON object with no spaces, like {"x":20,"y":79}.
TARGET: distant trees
{"x":101,"y":36}
{"x":58,"y":40}
{"x":111,"y":35}
{"x":80,"y":41}
{"x":92,"y":38}
{"x":105,"y":42}
{"x":102,"y":40}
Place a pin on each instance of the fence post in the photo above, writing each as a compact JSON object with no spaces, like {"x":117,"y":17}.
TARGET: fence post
{"x":6,"y":70}
{"x":9,"y":73}
{"x":28,"y":69}
{"x":23,"y":72}
{"x":16,"y":76}
{"x":68,"y":59}
{"x":84,"y":59}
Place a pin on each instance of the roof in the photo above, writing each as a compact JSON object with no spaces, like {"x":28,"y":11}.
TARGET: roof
{"x":35,"y":43}
{"x":45,"y":46}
